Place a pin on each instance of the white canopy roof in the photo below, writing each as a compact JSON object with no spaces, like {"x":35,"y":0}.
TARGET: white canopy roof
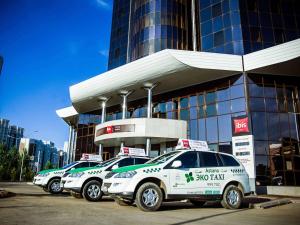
{"x":175,"y":69}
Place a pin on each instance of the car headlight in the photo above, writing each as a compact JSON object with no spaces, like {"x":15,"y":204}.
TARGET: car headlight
{"x":76,"y":175}
{"x":43,"y":175}
{"x":128,"y":174}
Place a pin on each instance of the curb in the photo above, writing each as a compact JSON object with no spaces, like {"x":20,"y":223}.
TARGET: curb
{"x":270,"y":204}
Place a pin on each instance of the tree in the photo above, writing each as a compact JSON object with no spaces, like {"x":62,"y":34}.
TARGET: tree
{"x":10,"y":164}
{"x":48,"y":165}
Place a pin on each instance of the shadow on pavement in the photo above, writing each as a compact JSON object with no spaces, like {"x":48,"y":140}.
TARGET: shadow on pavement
{"x":43,"y":194}
{"x":17,"y":206}
{"x":208,"y":217}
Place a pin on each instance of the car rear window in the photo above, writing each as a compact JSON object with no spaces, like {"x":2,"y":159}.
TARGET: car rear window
{"x":228,"y":160}
{"x":208,"y":159}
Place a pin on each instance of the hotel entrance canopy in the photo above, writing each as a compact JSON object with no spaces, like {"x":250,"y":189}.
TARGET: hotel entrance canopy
{"x":175,"y":69}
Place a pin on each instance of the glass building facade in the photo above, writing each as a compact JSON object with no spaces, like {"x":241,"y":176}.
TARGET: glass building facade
{"x":143,"y":27}
{"x":244,"y":26}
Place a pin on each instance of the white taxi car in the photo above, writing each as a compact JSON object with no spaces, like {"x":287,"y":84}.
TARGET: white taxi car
{"x":195,"y":174}
{"x":49,"y":180}
{"x":88,"y":181}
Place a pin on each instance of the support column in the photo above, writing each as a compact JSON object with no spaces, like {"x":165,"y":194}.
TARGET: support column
{"x":69,"y":145}
{"x":149,"y":88}
{"x":194,"y":25}
{"x":74,"y":145}
{"x":124,"y":95}
{"x":103,"y":101}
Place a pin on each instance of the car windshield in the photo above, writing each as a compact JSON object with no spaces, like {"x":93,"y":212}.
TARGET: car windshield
{"x":108,"y":162}
{"x":163,"y":158}
{"x":69,"y":165}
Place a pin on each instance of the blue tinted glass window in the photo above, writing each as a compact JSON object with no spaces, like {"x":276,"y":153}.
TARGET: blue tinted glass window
{"x":223,"y":94}
{"x":206,"y":28}
{"x":211,"y":128}
{"x":226,"y":19}
{"x":218,"y":38}
{"x":193,"y":129}
{"x":259,"y":125}
{"x":201,"y":129}
{"x":207,"y":42}
{"x":257,"y":104}
{"x":216,"y":10}
{"x":193,"y":113}
{"x":217,"y":23}
{"x":210,"y":97}
{"x":237,"y":91}
{"x":211,"y":110}
{"x":224,"y":123}
{"x":236,"y":34}
{"x":235,"y":18}
{"x":223,"y":107}
{"x":228,"y":48}
{"x":234,"y":5}
{"x":238,"y":47}
{"x":238,"y":105}
{"x":228,"y":35}
{"x":204,"y":3}
{"x":225,"y":6}
{"x":193,"y":100}
{"x":205,"y":14}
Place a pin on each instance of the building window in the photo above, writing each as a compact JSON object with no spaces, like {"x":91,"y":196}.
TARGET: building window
{"x":216,"y":10}
{"x":218,"y":38}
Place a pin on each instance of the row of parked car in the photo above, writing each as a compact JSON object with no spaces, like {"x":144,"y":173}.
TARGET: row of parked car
{"x":190,"y":172}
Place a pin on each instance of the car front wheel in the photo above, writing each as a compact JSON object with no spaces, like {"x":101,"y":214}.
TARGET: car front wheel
{"x":54,"y":186}
{"x":232,"y":197}
{"x":92,"y":191}
{"x":149,"y":197}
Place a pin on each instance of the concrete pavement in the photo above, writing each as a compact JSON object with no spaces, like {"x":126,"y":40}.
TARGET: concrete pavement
{"x":33,"y":206}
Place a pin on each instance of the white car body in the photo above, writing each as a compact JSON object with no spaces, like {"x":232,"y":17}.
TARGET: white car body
{"x":43,"y":178}
{"x":176,"y":183}
{"x":76,"y":179}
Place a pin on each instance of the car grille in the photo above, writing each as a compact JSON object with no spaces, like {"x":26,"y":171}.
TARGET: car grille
{"x":109,"y":175}
{"x":66,"y":174}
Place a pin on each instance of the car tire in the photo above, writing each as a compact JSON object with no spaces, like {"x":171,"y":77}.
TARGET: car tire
{"x":75,"y":194}
{"x":197,"y":203}
{"x":92,"y":191}
{"x":45,"y":189}
{"x":54,"y":186}
{"x":232,"y":197}
{"x":149,"y":197}
{"x":123,"y":202}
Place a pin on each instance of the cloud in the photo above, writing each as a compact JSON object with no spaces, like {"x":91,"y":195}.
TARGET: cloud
{"x":103,"y":4}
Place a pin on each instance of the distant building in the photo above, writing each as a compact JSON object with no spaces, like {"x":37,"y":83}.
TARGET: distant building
{"x":40,"y":152}
{"x":10,"y":135}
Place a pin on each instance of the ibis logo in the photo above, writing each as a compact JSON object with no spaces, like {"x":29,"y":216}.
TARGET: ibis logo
{"x":241,"y":125}
{"x":109,"y":129}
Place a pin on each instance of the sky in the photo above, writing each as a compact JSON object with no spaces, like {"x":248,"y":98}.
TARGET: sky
{"x":47,"y":46}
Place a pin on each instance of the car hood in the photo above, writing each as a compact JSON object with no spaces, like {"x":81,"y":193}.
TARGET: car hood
{"x":131,"y":168}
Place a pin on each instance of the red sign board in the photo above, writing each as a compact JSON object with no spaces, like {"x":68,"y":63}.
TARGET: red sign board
{"x":241,"y":125}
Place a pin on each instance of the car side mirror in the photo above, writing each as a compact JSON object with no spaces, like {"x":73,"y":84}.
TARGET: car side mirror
{"x":176,"y":164}
{"x":115,"y":167}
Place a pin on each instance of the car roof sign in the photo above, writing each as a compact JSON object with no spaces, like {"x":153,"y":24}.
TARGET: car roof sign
{"x":91,"y":157}
{"x":132,"y":151}
{"x":192,"y":144}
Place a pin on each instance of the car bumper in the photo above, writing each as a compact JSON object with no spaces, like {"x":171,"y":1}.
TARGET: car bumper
{"x":71,"y":184}
{"x":118,"y":188}
{"x":40,"y":181}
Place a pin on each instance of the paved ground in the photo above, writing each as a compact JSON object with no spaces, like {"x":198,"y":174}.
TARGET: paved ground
{"x":33,"y":206}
